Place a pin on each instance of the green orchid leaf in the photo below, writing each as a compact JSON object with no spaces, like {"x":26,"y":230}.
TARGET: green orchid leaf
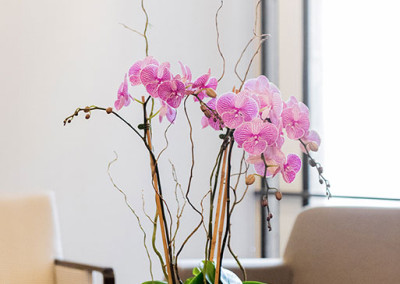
{"x":209,"y":270}
{"x":196,"y":271}
{"x":189,"y":280}
{"x":198,"y":279}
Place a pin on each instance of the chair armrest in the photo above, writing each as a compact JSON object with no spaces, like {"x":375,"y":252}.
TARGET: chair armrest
{"x":267,"y":270}
{"x":75,"y":273}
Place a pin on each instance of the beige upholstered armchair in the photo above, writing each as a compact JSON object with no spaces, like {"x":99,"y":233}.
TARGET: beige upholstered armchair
{"x":332,"y":245}
{"x":29,"y":245}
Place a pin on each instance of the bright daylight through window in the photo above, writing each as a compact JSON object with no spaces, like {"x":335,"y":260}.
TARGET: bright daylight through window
{"x":354,"y":62}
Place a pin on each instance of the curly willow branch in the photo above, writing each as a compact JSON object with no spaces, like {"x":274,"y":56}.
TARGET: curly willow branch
{"x":180,"y":209}
{"x":144,"y":209}
{"x":192,"y":153}
{"x":166,"y":141}
{"x":218,"y":43}
{"x":257,"y":13}
{"x":262,"y":38}
{"x":133,"y":211}
{"x":145,"y":28}
{"x":153,"y":243}
{"x":131,"y":29}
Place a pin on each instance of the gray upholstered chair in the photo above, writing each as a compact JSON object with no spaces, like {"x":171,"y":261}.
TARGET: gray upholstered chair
{"x":29,"y":244}
{"x":332,"y":245}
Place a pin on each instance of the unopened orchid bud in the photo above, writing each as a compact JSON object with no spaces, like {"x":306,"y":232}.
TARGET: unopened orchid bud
{"x":109,"y":110}
{"x":211,"y":93}
{"x":313,"y":146}
{"x":270,"y":215}
{"x":320,"y":170}
{"x":86,"y":109}
{"x":312,"y":163}
{"x":278,"y":195}
{"x":87,"y":116}
{"x":250,"y":179}
{"x":264,"y":203}
{"x":206,"y":110}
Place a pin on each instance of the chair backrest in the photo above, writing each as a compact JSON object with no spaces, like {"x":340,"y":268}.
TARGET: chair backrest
{"x":345,"y":245}
{"x":27,"y":239}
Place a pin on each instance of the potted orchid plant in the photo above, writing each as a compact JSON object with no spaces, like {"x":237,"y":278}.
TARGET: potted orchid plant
{"x":253,"y":118}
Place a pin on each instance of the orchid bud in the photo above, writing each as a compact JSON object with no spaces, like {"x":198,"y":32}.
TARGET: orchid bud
{"x":86,"y":109}
{"x":211,"y":93}
{"x":320,"y":170}
{"x":313,"y":146}
{"x":312,"y":163}
{"x":207,"y":113}
{"x":270,"y":215}
{"x":278,"y":195}
{"x":264,"y":203}
{"x":109,"y":110}
{"x":250,"y":179}
{"x":87,"y":116}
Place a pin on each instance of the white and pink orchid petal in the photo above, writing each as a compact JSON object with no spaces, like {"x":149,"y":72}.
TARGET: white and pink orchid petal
{"x":293,"y":162}
{"x":201,"y":81}
{"x":212,"y":83}
{"x":204,"y":122}
{"x":134,"y":73}
{"x":152,"y":89}
{"x":231,"y":119}
{"x":243,"y":133}
{"x":225,"y":103}
{"x":149,"y":74}
{"x":269,"y":133}
{"x":254,"y":147}
{"x":288,"y":176}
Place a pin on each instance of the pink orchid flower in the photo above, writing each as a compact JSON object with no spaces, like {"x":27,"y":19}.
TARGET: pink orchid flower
{"x":312,"y":141}
{"x":186,"y":74}
{"x":281,"y":139}
{"x":137,"y":67}
{"x":123,"y":97}
{"x":235,"y":109}
{"x":276,"y":163}
{"x":274,"y":158}
{"x":152,"y":76}
{"x":167,"y":111}
{"x":295,"y":119}
{"x":291,"y":168}
{"x":267,"y":95}
{"x":212,"y":121}
{"x":255,"y":136}
{"x":204,"y":82}
{"x":172,"y":92}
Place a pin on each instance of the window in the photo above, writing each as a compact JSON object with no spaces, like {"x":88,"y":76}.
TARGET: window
{"x":354,"y":95}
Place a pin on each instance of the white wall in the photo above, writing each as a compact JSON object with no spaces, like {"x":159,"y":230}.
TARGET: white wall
{"x":59,"y":55}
